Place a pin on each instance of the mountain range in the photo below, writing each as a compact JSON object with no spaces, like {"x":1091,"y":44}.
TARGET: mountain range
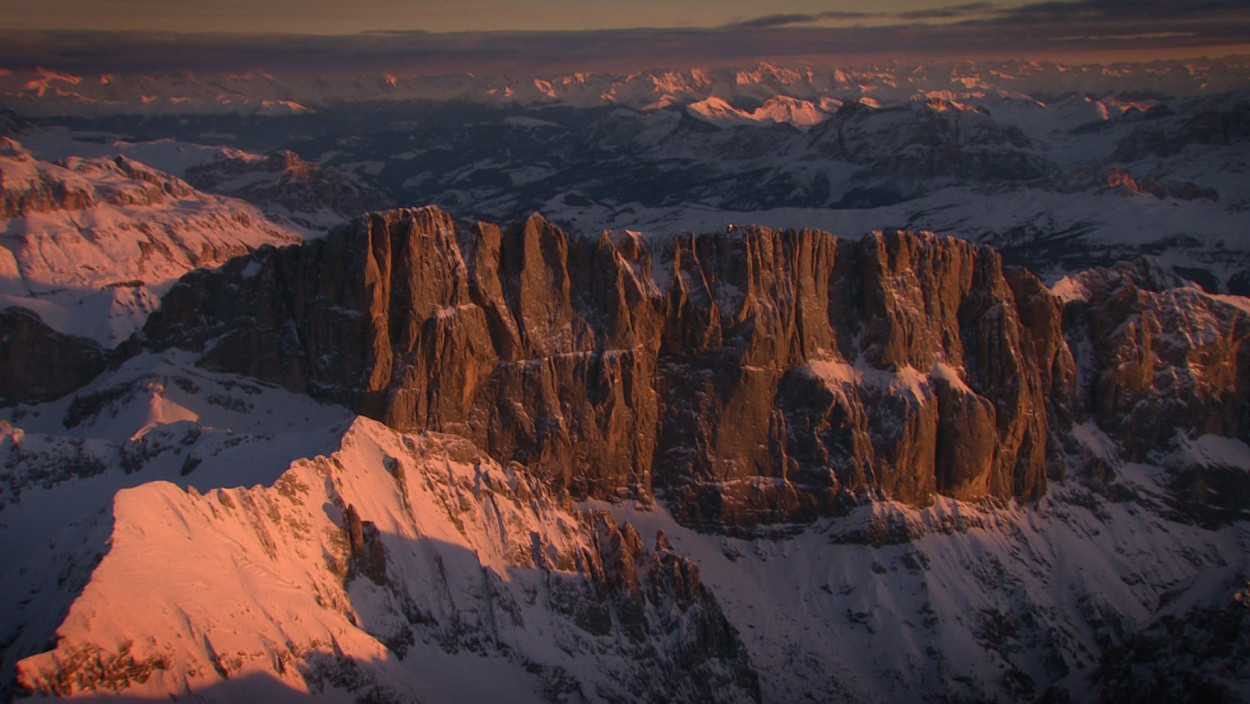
{"x":268,"y":435}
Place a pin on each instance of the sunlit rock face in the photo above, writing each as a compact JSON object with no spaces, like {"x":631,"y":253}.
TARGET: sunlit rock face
{"x":750,"y":377}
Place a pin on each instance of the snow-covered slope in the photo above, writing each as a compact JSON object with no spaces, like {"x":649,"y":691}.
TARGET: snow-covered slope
{"x":389,"y":566}
{"x":299,"y":194}
{"x":964,"y":601}
{"x":90,"y":244}
{"x":56,"y":144}
{"x":289,"y":189}
{"x":152,"y":419}
{"x":779,"y":109}
{"x":221,"y":539}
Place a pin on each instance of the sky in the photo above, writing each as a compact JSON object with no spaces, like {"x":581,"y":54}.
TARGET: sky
{"x":341,"y":17}
{"x":456,"y":35}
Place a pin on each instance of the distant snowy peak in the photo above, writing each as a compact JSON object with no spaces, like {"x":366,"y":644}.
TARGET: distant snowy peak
{"x":43,"y":92}
{"x":943,"y":100}
{"x":768,"y":73}
{"x":717,"y":111}
{"x":89,"y":244}
{"x":776,"y":110}
{"x":50,"y":92}
{"x":781,"y":108}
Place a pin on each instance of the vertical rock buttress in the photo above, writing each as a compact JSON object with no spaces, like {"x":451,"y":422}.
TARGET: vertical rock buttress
{"x":750,"y":377}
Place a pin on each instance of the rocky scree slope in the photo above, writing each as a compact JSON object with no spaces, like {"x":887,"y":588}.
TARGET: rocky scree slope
{"x":752,"y":377}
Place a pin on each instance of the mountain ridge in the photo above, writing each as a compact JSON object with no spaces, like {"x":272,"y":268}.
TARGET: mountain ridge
{"x":582,"y":323}
{"x":89,"y":245}
{"x":1060,"y":167}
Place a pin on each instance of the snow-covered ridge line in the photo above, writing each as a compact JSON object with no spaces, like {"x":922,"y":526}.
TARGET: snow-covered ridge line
{"x":385,"y":554}
{"x":1062,"y":168}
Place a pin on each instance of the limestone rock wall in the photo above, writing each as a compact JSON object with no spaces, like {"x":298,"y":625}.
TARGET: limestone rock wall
{"x":751,"y":377}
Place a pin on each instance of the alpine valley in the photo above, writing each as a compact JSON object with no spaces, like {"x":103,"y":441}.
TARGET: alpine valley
{"x":765,"y":384}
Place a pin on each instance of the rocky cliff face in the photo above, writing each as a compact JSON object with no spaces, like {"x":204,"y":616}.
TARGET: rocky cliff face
{"x":754,"y":377}
{"x":1164,"y":365}
{"x":1165,"y":358}
{"x":38,"y":363}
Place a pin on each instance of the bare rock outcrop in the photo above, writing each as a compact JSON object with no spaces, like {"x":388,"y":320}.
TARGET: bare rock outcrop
{"x":365,"y":550}
{"x":747,"y":378}
{"x":1165,"y":358}
{"x":646,"y":591}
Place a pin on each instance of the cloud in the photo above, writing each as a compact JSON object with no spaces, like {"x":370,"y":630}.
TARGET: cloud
{"x":952,"y":12}
{"x":773,"y":21}
{"x":977,"y":29}
{"x":964,"y":10}
{"x":1046,"y":11}
{"x":788,"y":20}
{"x":1126,"y":10}
{"x":1141,"y":23}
